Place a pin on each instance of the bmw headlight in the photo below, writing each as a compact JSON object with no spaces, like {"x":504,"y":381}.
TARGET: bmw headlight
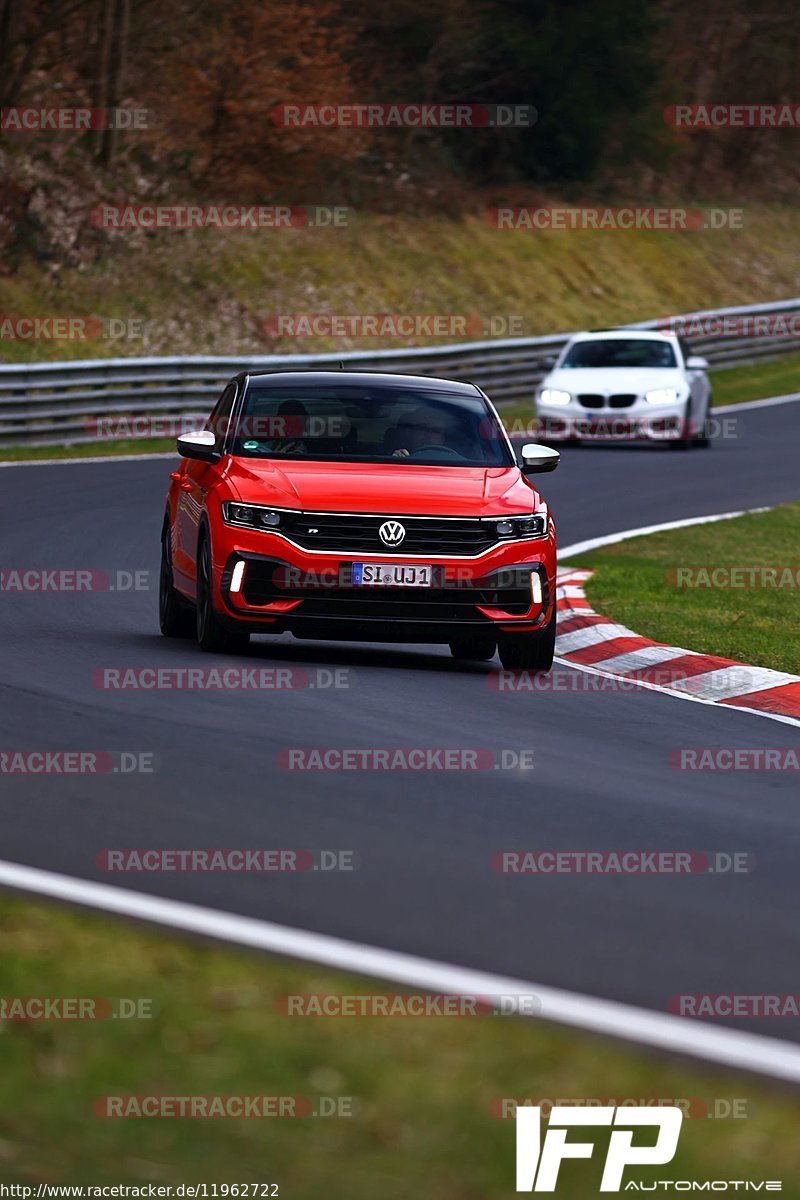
{"x":531,"y":525}
{"x":554,"y":396}
{"x":251,"y":516}
{"x":662,"y":396}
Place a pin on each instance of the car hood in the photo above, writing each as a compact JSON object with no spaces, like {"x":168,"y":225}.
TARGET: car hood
{"x":616,"y":379}
{"x":382,"y":488}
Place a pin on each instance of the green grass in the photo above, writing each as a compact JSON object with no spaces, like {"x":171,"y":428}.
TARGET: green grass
{"x":87,"y":449}
{"x":634,"y":583}
{"x":210,"y":292}
{"x":735,"y":385}
{"x":422,"y":1088}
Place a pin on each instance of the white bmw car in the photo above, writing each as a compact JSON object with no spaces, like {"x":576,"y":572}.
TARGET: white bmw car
{"x":626,"y":384}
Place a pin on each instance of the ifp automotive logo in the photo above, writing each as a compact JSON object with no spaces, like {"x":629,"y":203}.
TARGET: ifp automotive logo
{"x":539,"y":1160}
{"x":538,"y":1163}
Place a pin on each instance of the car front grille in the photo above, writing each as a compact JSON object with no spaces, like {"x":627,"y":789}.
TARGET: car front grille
{"x":618,"y":400}
{"x":358,"y":534}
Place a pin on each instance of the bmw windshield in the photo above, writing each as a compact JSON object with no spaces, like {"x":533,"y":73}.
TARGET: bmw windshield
{"x":348,"y":423}
{"x":619,"y":352}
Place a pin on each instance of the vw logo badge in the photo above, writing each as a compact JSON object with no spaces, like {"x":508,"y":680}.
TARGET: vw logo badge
{"x":391,"y":533}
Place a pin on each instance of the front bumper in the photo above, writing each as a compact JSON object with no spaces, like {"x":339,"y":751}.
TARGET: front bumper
{"x":511,"y":588}
{"x":638,"y":422}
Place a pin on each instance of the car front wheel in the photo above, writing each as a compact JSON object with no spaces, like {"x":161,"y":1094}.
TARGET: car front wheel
{"x":529,"y":652}
{"x":212,"y":634}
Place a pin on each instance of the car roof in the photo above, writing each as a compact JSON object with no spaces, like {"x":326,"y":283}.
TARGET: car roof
{"x":651,"y":335}
{"x":359,"y":379}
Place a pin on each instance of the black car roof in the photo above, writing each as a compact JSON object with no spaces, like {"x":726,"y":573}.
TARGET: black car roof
{"x":359,"y":379}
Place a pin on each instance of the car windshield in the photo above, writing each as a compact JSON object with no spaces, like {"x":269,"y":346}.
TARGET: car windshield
{"x":620,"y":352}
{"x":352,"y":423}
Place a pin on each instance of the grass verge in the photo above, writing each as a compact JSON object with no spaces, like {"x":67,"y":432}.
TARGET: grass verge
{"x":636,"y":584}
{"x":206,"y":291}
{"x":423,"y":1089}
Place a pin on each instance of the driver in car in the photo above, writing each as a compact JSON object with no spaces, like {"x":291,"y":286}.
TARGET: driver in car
{"x":422,"y":427}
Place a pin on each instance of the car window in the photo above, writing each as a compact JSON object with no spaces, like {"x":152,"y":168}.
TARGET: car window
{"x":354,"y":423}
{"x":620,"y":352}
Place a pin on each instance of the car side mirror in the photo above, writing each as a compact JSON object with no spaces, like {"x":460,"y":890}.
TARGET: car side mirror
{"x":537,"y":459}
{"x":201,"y":443}
{"x":696,"y":362}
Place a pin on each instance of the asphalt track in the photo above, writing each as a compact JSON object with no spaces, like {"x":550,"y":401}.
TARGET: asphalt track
{"x":601,"y":778}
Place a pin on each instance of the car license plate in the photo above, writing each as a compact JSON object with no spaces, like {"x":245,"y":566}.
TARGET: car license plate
{"x":392,"y":575}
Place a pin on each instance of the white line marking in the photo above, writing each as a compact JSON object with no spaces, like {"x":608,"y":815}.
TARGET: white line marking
{"x":730,"y":1047}
{"x":611,"y":539}
{"x":768,"y":402}
{"x":677,"y":695}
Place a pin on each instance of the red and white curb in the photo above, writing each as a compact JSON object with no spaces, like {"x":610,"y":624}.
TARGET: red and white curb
{"x":588,"y":639}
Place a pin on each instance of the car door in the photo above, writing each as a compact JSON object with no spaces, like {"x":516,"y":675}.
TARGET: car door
{"x":196,"y":479}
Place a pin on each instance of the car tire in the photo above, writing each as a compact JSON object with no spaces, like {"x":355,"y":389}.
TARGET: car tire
{"x":702,"y":438}
{"x":175,"y":618}
{"x":474,"y":647}
{"x":529,"y":652}
{"x":212,"y":635}
{"x":685,"y":441}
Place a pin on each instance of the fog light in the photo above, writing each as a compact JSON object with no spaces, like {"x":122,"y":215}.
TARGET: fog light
{"x":536,"y":587}
{"x":237,"y":576}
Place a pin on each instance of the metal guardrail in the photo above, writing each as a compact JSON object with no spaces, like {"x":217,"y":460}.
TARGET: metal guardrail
{"x":70,"y":402}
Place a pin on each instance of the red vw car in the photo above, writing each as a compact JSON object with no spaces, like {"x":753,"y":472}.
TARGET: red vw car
{"x":367,"y":507}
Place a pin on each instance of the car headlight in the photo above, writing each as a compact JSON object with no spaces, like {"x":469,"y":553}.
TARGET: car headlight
{"x":554,"y":396}
{"x":251,"y":516}
{"x":662,"y":396}
{"x":530,"y":525}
